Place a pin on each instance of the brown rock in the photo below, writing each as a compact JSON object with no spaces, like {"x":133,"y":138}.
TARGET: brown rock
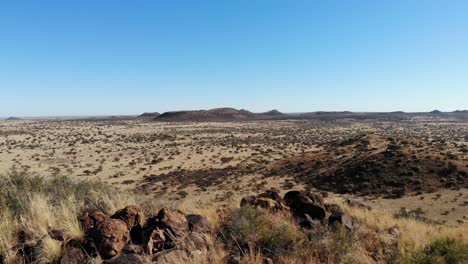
{"x":267,"y":203}
{"x":248,"y":200}
{"x":198,"y":223}
{"x":131,"y":215}
{"x":133,"y":218}
{"x":74,"y":253}
{"x":302,"y":203}
{"x":109,"y":235}
{"x":173,"y":223}
{"x":91,"y":219}
{"x":317,"y":199}
{"x":268,"y":200}
{"x":333,"y":208}
{"x":272,"y":195}
{"x":343,"y":219}
{"x":307,"y":222}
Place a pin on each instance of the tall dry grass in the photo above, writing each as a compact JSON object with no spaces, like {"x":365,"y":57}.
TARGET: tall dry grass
{"x":33,"y":206}
{"x":36,"y":205}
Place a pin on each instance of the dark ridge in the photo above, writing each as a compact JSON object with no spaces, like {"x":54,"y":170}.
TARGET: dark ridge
{"x":149,"y":115}
{"x":273,"y":113}
{"x":217,"y":114}
{"x":377,"y":166}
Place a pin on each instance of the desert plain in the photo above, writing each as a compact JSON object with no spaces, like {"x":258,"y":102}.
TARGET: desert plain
{"x":418,"y":165}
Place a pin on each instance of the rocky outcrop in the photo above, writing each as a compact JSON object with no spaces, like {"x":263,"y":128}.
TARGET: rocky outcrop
{"x":133,"y":218}
{"x":270,"y":200}
{"x":303,"y":203}
{"x":308,"y":209}
{"x":128,"y":237}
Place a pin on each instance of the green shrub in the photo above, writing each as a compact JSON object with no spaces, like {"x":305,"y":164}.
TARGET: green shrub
{"x":445,"y":251}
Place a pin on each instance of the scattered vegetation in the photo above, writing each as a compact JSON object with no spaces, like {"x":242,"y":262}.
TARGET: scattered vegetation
{"x":444,"y":251}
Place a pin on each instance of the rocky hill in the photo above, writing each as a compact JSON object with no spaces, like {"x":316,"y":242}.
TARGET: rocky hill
{"x":218,"y":114}
{"x":376,"y":165}
{"x":149,"y":115}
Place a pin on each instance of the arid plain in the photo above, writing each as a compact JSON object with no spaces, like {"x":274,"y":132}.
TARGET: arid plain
{"x":417,"y":164}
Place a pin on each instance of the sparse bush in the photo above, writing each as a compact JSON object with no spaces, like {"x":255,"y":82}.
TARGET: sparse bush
{"x":272,"y":234}
{"x":444,"y":251}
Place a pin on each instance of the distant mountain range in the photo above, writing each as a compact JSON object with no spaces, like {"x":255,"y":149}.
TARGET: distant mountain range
{"x":232,"y":114}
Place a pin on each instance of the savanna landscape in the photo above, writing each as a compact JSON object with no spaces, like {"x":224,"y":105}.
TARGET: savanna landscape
{"x":256,"y":190}
{"x":234,"y":132}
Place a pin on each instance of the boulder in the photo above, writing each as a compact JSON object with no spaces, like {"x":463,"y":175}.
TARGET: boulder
{"x":131,"y":215}
{"x":248,"y":200}
{"x":109,"y":235}
{"x":317,"y":199}
{"x":333,"y":208}
{"x":91,"y":219}
{"x":133,"y":218}
{"x":73,"y":253}
{"x":165,"y":230}
{"x":270,"y":204}
{"x":302,"y":203}
{"x":307,"y":222}
{"x":198,"y":223}
{"x":341,"y":218}
{"x":270,"y":200}
{"x":270,"y":194}
{"x":173,"y":223}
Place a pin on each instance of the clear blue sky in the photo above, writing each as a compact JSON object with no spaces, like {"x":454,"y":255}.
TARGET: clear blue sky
{"x":127,"y":57}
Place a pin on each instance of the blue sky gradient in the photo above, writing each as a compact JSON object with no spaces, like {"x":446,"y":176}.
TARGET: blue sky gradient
{"x":127,"y":57}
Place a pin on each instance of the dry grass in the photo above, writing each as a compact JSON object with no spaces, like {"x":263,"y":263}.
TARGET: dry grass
{"x":415,"y":235}
{"x":255,"y":233}
{"x":50,"y":251}
{"x":35,"y":206}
